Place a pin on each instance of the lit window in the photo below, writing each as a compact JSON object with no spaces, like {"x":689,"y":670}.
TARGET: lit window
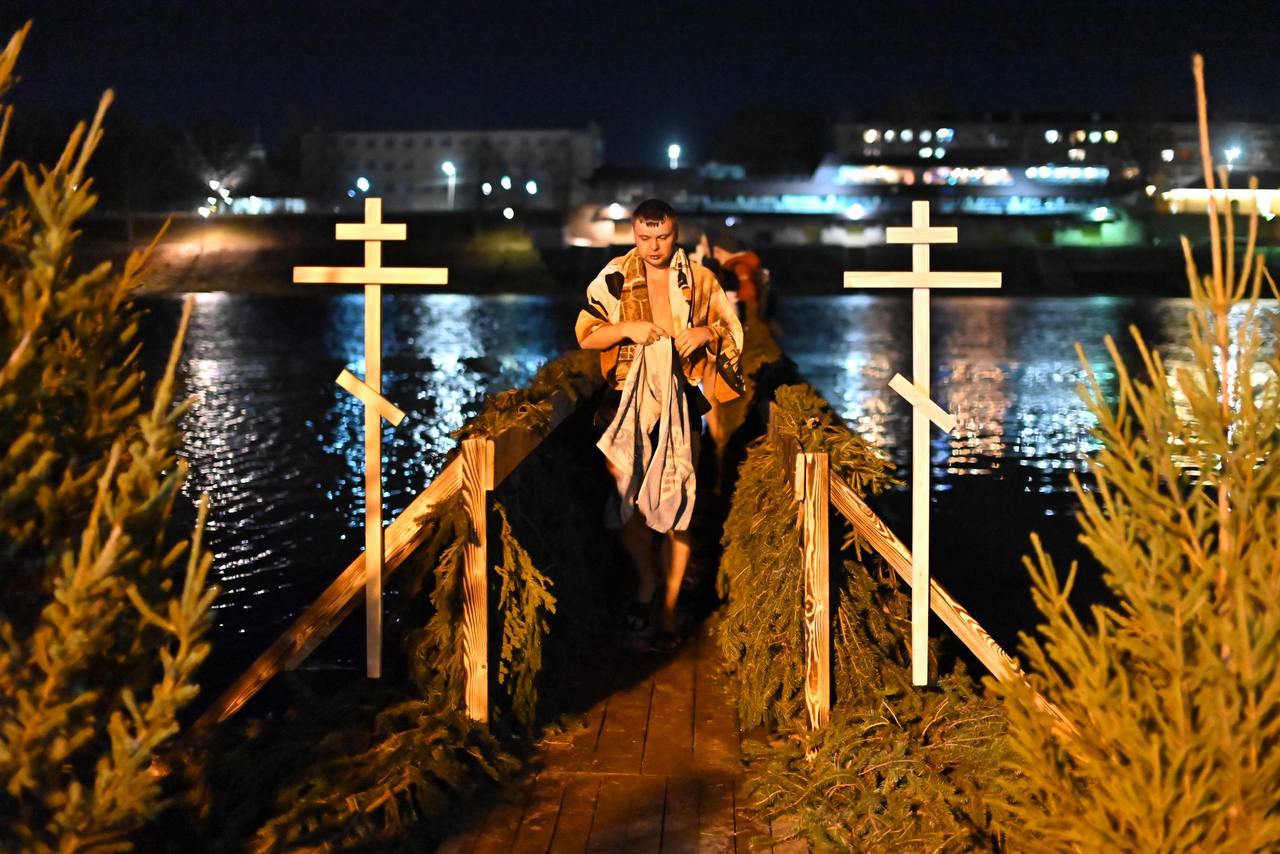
{"x":945,"y":134}
{"x":1167,"y":155}
{"x":1078,"y":136}
{"x":870,"y":136}
{"x":939,"y":153}
{"x":1031,"y":171}
{"x":1076,"y":153}
{"x":926,"y":152}
{"x":1095,"y":136}
{"x":1052,"y":136}
{"x":907,"y":136}
{"x":1112,"y":136}
{"x":926,"y":135}
{"x":889,"y":135}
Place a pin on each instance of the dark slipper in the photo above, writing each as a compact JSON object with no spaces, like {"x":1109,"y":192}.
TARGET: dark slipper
{"x":639,"y":614}
{"x":664,"y":641}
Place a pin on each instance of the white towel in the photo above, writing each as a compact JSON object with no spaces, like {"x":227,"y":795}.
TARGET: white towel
{"x":655,"y":478}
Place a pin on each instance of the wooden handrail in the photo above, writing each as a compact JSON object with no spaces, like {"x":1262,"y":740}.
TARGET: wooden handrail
{"x":872,"y":529}
{"x":405,"y":533}
{"x":970,"y":632}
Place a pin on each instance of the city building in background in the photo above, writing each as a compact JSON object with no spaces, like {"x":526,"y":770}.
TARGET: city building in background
{"x":1165,"y":153}
{"x":524,"y":169}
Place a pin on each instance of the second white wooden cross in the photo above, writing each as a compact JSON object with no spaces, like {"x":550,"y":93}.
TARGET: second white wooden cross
{"x":369,"y":391}
{"x":920,"y":235}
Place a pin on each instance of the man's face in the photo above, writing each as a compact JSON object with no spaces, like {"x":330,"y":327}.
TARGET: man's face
{"x":656,"y":241}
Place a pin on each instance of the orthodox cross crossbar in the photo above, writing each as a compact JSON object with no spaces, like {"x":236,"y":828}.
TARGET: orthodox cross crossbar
{"x":369,"y":390}
{"x":923,"y":409}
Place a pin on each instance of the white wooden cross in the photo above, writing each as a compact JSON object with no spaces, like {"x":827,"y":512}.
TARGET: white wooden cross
{"x":924,"y":410}
{"x":376,"y":407}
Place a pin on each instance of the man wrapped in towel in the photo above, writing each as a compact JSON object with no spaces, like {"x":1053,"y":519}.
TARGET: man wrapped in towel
{"x":669,"y":342}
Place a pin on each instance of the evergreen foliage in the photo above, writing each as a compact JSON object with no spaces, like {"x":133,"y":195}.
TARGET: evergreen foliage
{"x":102,"y":621}
{"x":897,"y":768}
{"x":761,"y":628}
{"x":1173,"y":690}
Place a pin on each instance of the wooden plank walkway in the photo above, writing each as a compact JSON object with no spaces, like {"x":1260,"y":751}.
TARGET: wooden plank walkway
{"x":656,"y":766}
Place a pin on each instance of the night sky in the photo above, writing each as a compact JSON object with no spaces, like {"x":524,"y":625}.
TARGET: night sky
{"x":648,"y":73}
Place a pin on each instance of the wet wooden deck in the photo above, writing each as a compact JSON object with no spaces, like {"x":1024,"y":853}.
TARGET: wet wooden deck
{"x":656,"y":767}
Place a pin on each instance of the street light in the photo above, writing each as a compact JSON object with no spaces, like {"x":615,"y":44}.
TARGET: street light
{"x":673,"y":154}
{"x":506,"y":182}
{"x":531,"y":187}
{"x":451,"y":171}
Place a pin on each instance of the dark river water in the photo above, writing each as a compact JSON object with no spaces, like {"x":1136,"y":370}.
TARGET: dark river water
{"x":278,"y":446}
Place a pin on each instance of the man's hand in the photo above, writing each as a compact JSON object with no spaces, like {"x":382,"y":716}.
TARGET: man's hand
{"x":693,"y":338}
{"x":644,"y":332}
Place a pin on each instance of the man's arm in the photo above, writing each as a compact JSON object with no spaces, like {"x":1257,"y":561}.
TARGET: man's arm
{"x":593,"y":329}
{"x":607,"y":335}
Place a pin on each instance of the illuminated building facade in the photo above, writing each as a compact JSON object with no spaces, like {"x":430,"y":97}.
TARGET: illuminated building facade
{"x":440,"y":170}
{"x":1163,"y":153}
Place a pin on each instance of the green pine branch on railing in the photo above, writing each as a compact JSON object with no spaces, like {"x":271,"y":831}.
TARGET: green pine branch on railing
{"x":897,"y":768}
{"x":762,"y":625}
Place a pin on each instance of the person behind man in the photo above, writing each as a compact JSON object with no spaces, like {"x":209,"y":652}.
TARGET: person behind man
{"x":664,"y":329}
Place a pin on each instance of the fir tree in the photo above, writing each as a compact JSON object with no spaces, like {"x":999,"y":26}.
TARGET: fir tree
{"x":103,"y":613}
{"x":1173,"y":690}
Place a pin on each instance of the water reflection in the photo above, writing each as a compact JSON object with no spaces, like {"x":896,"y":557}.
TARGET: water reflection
{"x":976,"y":380}
{"x":1006,"y":368}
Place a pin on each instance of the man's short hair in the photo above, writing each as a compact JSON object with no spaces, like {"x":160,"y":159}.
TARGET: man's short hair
{"x":654,"y":211}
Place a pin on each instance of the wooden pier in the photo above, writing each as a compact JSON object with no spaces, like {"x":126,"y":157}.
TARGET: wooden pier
{"x":655,"y":766}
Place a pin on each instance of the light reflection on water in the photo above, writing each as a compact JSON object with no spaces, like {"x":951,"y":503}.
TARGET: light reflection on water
{"x":1006,"y":368}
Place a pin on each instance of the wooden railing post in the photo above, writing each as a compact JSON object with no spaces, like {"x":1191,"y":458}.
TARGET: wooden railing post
{"x":477,"y":482}
{"x":811,"y":490}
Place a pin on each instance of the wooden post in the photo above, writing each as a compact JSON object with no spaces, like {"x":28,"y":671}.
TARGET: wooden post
{"x":372,"y":275}
{"x":923,"y":409}
{"x":477,"y":481}
{"x":811,"y":488}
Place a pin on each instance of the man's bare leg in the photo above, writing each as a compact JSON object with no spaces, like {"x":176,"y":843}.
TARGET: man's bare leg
{"x":637,"y":539}
{"x":676,"y":551}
